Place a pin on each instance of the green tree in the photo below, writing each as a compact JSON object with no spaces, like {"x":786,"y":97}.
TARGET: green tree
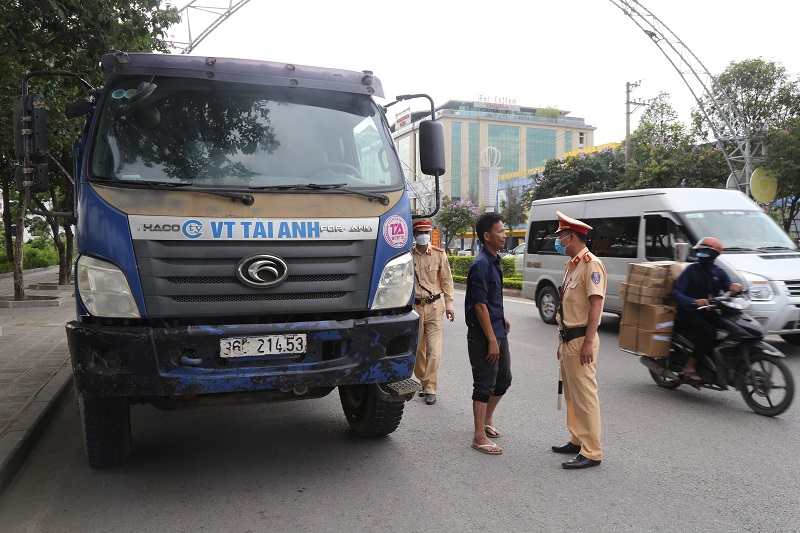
{"x":663,"y":154}
{"x":455,"y":218}
{"x":783,"y":161}
{"x":761,"y":92}
{"x":512,"y":209}
{"x":66,"y":35}
{"x":599,"y":171}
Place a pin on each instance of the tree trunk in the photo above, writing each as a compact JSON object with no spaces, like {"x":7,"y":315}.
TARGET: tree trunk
{"x":7,"y":223}
{"x":19,"y":287}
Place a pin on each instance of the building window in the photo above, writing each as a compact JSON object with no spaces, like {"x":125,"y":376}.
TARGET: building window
{"x":567,"y":141}
{"x":539,"y":146}
{"x":404,"y":151}
{"x":455,"y":160}
{"x":581,"y":140}
{"x":506,"y":139}
{"x":474,"y":154}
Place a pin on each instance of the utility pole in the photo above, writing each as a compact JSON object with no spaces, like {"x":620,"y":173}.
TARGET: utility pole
{"x":628,"y":88}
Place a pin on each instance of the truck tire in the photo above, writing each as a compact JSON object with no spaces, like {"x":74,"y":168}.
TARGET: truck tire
{"x":547,"y":302}
{"x":106,"y":424}
{"x":367,"y":414}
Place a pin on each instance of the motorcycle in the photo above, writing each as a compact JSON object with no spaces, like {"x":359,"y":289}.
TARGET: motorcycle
{"x":740,"y":358}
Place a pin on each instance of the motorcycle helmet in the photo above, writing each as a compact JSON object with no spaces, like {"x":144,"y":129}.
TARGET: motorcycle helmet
{"x":711,"y":245}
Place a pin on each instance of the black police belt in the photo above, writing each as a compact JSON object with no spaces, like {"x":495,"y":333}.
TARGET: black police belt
{"x":568,"y":334}
{"x":429,"y":300}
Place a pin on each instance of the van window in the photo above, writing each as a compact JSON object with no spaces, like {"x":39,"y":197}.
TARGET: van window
{"x":613,"y":237}
{"x":660,"y":236}
{"x":541,"y":240}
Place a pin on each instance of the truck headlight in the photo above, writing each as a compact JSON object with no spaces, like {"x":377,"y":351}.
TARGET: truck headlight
{"x":104,"y":290}
{"x":759,"y":287}
{"x":396,"y":283}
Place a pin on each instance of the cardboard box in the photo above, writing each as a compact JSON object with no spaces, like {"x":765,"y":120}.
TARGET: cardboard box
{"x":644,"y":281}
{"x":660,"y":318}
{"x":636,"y":292}
{"x":638,"y":298}
{"x":644,"y":342}
{"x":652,"y":269}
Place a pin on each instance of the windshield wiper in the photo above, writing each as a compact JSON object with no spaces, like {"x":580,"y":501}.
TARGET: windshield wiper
{"x":246,"y":199}
{"x":770,"y":248}
{"x":324,"y":187}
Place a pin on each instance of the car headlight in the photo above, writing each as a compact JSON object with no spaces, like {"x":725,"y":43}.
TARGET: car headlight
{"x":759,"y":287}
{"x":396,"y":283}
{"x":104,"y":289}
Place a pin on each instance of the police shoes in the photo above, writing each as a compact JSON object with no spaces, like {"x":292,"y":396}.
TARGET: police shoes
{"x":578,"y":462}
{"x":567,"y":448}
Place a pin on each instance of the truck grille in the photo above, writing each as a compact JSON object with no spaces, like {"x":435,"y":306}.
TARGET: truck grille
{"x":323,"y":276}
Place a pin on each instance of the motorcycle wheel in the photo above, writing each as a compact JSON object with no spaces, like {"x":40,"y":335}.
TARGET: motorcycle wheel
{"x":767,"y":385}
{"x":665,"y":382}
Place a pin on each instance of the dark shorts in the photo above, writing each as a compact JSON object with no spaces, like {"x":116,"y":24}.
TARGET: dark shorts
{"x":488,"y":380}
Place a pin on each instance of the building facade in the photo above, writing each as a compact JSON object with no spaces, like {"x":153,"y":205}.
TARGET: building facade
{"x":487,"y":142}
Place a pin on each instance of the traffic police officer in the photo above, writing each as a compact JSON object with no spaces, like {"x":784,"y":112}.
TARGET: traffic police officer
{"x":582,"y":293}
{"x":433,"y":296}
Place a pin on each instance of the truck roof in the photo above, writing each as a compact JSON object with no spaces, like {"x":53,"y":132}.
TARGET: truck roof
{"x":241,"y":71}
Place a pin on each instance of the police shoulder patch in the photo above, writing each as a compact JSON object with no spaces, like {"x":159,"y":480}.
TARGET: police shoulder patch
{"x":596,"y":278}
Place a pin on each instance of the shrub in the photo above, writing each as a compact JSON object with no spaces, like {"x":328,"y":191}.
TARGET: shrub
{"x":459,"y":266}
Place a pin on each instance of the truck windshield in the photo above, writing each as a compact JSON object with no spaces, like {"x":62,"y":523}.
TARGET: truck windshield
{"x":740,"y":231}
{"x":228,"y":135}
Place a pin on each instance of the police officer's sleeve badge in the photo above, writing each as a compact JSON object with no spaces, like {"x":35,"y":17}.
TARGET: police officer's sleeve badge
{"x":596,"y":278}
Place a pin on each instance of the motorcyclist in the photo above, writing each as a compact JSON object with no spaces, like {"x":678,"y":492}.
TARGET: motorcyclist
{"x":696,"y":284}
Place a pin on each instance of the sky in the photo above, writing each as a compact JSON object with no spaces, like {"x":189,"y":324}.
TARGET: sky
{"x":575,"y":55}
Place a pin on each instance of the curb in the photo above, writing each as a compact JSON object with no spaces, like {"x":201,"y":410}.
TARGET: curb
{"x":17,"y":443}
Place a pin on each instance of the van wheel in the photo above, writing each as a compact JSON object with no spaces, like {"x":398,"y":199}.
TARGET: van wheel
{"x":547,"y":302}
{"x":791,"y":338}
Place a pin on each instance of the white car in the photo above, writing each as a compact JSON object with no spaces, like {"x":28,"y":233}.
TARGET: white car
{"x":518,"y":254}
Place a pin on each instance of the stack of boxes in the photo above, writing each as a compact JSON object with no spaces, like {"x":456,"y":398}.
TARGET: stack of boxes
{"x":648,"y":315}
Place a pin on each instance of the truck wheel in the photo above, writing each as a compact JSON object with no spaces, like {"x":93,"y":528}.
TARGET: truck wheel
{"x":367,"y":414}
{"x":791,"y":338}
{"x":106,"y":430}
{"x":547,"y":302}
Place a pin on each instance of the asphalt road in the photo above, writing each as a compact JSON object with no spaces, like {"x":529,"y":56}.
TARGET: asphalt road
{"x":681,"y":460}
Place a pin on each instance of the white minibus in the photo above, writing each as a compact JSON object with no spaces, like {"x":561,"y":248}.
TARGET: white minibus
{"x":646,"y":224}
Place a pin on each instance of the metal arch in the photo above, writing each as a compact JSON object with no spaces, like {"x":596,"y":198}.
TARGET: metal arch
{"x":209,"y":14}
{"x":700,"y":82}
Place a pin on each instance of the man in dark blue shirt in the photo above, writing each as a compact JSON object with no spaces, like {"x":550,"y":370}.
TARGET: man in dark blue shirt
{"x":487,"y":331}
{"x":694,"y":286}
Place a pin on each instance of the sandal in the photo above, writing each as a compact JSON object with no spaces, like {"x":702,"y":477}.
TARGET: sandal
{"x":489,"y":449}
{"x":491,"y":431}
{"x":694,"y":376}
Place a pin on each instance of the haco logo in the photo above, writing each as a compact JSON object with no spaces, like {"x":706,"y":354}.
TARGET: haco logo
{"x":262,"y":271}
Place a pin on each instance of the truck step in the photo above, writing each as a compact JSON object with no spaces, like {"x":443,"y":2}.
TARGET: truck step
{"x":407,"y":386}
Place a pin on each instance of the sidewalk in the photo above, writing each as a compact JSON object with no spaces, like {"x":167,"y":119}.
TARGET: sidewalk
{"x":35,"y":372}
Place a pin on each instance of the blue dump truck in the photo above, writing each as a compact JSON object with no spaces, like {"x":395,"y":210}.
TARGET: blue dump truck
{"x":243,"y":232}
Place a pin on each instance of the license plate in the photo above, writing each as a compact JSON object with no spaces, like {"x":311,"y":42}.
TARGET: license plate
{"x":268,"y":345}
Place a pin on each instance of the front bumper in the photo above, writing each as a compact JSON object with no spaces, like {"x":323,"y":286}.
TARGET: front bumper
{"x":185,"y":362}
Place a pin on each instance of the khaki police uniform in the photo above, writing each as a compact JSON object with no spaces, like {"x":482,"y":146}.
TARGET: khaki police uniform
{"x":432,"y":271}
{"x":584,"y":276}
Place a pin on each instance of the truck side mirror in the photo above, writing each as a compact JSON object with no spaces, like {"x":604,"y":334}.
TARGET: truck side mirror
{"x":431,"y":148}
{"x":681,"y":251}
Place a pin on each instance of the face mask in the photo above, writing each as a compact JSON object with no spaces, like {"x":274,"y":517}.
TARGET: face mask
{"x":705,"y":259}
{"x":560,"y":247}
{"x":423,"y":239}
